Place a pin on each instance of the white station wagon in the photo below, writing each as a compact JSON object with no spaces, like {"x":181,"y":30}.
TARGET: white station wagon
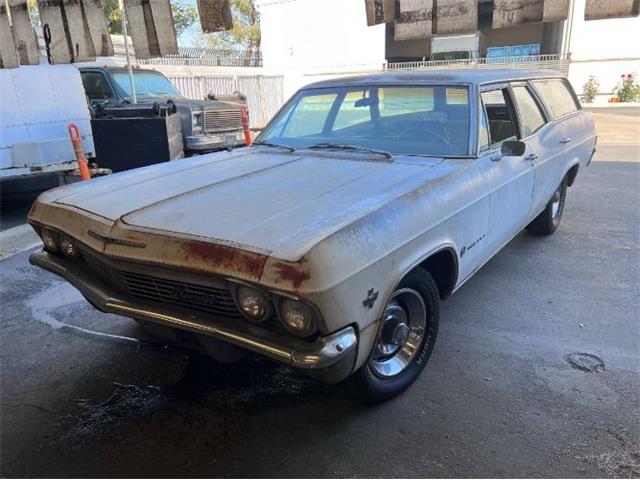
{"x":329,"y":244}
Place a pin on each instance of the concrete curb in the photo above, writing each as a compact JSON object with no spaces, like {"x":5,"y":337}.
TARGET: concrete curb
{"x":17,"y":239}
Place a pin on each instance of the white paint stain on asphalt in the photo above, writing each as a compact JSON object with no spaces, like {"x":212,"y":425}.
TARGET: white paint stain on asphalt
{"x":61,"y":294}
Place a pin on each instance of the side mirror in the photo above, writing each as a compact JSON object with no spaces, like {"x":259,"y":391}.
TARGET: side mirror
{"x":513,"y":148}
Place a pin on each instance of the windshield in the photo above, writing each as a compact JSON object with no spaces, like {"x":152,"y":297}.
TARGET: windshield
{"x":148,"y":84}
{"x":422,"y":120}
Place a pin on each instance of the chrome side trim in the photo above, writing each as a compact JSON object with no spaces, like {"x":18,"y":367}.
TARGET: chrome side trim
{"x":319,"y":354}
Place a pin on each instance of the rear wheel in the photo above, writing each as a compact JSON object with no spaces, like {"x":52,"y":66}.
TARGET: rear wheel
{"x":548,"y":221}
{"x":405,"y":340}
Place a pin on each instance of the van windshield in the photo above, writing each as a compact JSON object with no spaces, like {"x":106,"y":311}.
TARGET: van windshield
{"x":417,"y":120}
{"x":148,"y":84}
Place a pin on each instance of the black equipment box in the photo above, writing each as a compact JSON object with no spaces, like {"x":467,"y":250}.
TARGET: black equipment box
{"x":132,"y":136}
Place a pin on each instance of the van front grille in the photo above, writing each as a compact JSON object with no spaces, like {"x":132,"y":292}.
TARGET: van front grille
{"x":222,"y":120}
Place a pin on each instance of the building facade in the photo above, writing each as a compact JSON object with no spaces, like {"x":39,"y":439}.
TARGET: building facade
{"x":313,"y":39}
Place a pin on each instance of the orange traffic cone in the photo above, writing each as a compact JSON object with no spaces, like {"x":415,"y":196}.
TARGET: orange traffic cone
{"x":245,"y":126}
{"x":76,"y":141}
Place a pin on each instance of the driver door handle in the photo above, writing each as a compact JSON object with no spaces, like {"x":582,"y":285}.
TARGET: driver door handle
{"x":565,"y":140}
{"x":531,"y":157}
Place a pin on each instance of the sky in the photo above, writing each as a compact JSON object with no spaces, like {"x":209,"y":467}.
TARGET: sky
{"x":187,"y":37}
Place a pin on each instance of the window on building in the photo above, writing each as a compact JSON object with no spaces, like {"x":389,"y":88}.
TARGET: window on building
{"x":531,"y":118}
{"x":502,"y":124}
{"x":558,"y":96}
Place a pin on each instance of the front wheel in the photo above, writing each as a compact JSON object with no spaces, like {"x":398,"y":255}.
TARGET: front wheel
{"x":547,"y":222}
{"x":406,"y":337}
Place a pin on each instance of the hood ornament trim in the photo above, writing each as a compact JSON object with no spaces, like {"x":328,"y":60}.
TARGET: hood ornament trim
{"x":113,"y":240}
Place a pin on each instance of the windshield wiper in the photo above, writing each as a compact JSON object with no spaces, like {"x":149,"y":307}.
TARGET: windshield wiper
{"x":345,"y":146}
{"x":269,"y":144}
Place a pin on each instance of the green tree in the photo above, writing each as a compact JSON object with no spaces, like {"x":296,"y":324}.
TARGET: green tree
{"x":245,"y":34}
{"x":184,"y":15}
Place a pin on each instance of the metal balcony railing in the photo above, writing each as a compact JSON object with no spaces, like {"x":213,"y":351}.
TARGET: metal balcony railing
{"x":551,"y":62}
{"x":212,"y":57}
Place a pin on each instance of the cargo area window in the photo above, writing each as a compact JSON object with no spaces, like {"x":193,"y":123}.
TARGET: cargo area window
{"x":558,"y":97}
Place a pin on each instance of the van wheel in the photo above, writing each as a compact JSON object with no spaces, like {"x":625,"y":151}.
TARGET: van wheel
{"x":547,"y":222}
{"x":406,"y":337}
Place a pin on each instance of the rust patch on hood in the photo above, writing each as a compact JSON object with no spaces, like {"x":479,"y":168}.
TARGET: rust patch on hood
{"x":293,"y":273}
{"x":226,"y":258}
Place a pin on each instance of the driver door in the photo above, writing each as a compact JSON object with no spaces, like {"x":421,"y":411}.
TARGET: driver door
{"x":510,"y":179}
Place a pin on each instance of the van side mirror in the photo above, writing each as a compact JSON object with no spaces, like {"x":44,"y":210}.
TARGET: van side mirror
{"x":513,"y":148}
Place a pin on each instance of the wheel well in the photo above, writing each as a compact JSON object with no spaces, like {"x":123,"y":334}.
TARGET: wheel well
{"x":572,"y":174}
{"x":443,"y":267}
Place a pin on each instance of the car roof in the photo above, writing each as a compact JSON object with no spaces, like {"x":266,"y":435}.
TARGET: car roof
{"x":112,"y":68}
{"x":469,"y":76}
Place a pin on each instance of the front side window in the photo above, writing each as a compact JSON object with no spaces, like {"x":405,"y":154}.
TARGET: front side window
{"x":483,"y":139}
{"x":147,"y":83}
{"x":531,"y":118}
{"x":417,"y":120}
{"x":557,"y":96}
{"x":96,"y":86}
{"x":502,"y":124}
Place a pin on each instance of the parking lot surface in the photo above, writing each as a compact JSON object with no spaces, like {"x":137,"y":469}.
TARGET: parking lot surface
{"x":85,"y":394}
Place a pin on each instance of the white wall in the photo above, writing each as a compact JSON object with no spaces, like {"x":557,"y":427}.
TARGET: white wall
{"x":604,"y":48}
{"x":304,"y":38}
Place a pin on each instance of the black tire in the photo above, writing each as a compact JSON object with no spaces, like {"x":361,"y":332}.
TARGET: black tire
{"x":373,"y":388}
{"x":547,"y":222}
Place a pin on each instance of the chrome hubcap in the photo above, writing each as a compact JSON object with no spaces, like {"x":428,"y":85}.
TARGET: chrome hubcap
{"x":403,"y":326}
{"x":555,"y":204}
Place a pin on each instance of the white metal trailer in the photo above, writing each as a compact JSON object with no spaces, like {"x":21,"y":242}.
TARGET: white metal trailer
{"x":37,"y":104}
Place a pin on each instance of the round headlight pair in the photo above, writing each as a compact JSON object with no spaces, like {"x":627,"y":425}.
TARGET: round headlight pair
{"x":54,"y":242}
{"x":297,"y":317}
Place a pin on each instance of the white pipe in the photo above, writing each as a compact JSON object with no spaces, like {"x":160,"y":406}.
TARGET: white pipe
{"x":123,"y":16}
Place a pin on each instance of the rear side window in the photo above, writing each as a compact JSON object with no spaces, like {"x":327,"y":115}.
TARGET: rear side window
{"x":557,"y":96}
{"x":531,"y":117}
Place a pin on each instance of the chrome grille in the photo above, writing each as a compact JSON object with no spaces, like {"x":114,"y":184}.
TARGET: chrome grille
{"x":150,"y":287}
{"x":222,"y":120}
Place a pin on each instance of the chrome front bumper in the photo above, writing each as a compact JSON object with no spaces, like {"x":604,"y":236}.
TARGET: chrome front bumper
{"x":330,"y":358}
{"x":212,"y":141}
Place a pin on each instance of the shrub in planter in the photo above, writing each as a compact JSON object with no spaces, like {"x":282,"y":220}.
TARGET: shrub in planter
{"x":590,"y":89}
{"x":628,"y":90}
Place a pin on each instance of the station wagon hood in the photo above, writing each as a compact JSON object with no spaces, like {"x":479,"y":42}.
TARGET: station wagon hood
{"x":258,"y":199}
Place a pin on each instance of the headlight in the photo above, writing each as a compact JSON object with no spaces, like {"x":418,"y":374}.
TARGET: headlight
{"x":298,"y":317}
{"x":68,"y":247}
{"x":50,"y":240}
{"x":197,"y":122}
{"x":253,"y":304}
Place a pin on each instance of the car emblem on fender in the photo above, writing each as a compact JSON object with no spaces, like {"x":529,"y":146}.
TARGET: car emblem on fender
{"x":115,"y":241}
